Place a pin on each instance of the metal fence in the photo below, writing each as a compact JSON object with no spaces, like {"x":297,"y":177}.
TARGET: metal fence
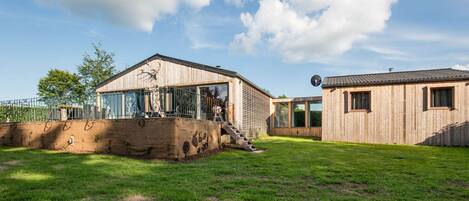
{"x":35,"y":109}
{"x":186,"y":102}
{"x":161,"y":103}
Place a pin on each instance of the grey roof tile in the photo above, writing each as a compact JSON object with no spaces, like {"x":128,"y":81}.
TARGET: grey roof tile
{"x":433,"y":75}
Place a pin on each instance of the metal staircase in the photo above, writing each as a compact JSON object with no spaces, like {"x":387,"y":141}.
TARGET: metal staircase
{"x":238,"y":138}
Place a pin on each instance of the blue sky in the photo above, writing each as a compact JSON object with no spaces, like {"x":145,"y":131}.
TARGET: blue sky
{"x":276,"y":44}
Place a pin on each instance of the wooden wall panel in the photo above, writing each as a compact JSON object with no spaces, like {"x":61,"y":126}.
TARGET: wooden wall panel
{"x":397,"y":116}
{"x":170,"y":74}
{"x":297,"y":132}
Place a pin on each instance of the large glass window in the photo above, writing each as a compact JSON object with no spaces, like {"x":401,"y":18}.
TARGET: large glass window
{"x":298,"y":117}
{"x":281,"y":115}
{"x":214,"y":95}
{"x":185,"y":102}
{"x":361,"y":100}
{"x":111,"y":104}
{"x":315,"y":114}
{"x":134,"y":104}
{"x":442,"y":97}
{"x":123,"y":105}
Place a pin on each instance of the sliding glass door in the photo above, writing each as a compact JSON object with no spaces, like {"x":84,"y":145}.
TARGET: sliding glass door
{"x":212,"y":96}
{"x":121,"y":105}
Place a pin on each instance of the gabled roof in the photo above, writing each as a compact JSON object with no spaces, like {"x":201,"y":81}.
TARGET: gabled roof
{"x":188,"y":64}
{"x":433,"y":75}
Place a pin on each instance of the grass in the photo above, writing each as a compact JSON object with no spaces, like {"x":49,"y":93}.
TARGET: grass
{"x":290,"y":169}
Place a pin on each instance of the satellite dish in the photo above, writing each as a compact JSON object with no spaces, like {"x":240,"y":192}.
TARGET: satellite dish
{"x":316,"y":80}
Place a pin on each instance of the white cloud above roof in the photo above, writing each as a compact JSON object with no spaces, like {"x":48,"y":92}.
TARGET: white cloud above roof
{"x":461,"y":67}
{"x":306,"y":30}
{"x":141,"y":14}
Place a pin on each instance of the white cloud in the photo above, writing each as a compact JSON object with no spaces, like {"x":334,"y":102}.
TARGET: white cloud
{"x":237,"y":3}
{"x":208,"y":30}
{"x":388,"y":53}
{"x":306,"y":30}
{"x":461,"y":67}
{"x":141,"y":14}
{"x":430,"y":36}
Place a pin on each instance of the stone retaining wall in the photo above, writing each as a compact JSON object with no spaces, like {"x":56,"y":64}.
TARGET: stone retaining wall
{"x":162,"y":138}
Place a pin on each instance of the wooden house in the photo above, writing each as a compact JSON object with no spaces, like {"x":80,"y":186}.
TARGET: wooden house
{"x":416,"y":107}
{"x":247,"y":106}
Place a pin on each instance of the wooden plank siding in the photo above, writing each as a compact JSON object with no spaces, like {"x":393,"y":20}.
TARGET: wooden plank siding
{"x":297,"y":132}
{"x":170,"y":74}
{"x":398,"y":115}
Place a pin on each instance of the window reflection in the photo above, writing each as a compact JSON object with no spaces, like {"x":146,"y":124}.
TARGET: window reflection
{"x":211,"y":96}
{"x":315,"y":114}
{"x":281,"y":115}
{"x":298,"y":117}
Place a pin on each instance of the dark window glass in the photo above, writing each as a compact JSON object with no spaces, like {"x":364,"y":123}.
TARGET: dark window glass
{"x":442,"y":97}
{"x":298,"y":117}
{"x":315,"y":114}
{"x":361,"y":100}
{"x":215,"y":95}
{"x":281,"y":115}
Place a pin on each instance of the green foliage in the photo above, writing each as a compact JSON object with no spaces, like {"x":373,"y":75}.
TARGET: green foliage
{"x":61,"y":87}
{"x":315,"y":118}
{"x":283,"y":96}
{"x":95,"y":70}
{"x":290,"y":169}
{"x":23,"y":114}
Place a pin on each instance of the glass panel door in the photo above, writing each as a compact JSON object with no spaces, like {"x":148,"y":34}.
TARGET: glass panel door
{"x":210,"y":97}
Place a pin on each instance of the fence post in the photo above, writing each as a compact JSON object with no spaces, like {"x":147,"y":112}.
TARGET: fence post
{"x":63,"y":114}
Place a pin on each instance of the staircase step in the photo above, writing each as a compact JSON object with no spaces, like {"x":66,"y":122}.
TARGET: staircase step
{"x":238,"y":138}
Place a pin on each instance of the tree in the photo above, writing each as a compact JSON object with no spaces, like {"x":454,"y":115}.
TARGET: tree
{"x":95,"y":70}
{"x":283,"y":96}
{"x":61,"y":87}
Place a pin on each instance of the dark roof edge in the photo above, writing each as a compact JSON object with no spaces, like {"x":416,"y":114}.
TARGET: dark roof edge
{"x":188,"y":64}
{"x":396,"y":72}
{"x":394,"y":82}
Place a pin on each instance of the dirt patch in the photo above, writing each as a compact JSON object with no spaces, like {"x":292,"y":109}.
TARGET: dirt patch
{"x":348,"y":188}
{"x":205,"y":154}
{"x":212,"y":199}
{"x":137,"y":198}
{"x":3,"y":168}
{"x":58,"y":167}
{"x":259,"y":151}
{"x":12,"y":163}
{"x":459,"y":184}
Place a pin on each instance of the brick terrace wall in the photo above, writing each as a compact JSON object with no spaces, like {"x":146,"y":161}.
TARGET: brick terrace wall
{"x":256,"y":112}
{"x":165,"y":138}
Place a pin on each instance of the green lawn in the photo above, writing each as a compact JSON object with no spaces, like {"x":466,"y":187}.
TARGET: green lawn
{"x":290,"y":169}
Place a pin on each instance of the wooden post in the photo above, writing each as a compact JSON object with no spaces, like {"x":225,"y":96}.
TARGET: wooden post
{"x":290,"y":123}
{"x":307,"y":124}
{"x":63,"y":114}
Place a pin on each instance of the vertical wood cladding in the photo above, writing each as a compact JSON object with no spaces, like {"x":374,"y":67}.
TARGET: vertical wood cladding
{"x":400,"y":114}
{"x":256,"y":111}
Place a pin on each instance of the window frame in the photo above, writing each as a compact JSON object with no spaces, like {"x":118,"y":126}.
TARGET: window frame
{"x":292,"y":112}
{"x":350,"y":101}
{"x":276,"y":114}
{"x":310,"y":103}
{"x":431,"y":100}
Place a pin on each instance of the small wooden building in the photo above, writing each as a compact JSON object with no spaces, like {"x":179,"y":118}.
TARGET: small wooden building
{"x":416,"y":107}
{"x":130,"y":91}
{"x":298,"y":117}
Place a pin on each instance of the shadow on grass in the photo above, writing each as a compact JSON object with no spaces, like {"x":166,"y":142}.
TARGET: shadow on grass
{"x":291,"y":169}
